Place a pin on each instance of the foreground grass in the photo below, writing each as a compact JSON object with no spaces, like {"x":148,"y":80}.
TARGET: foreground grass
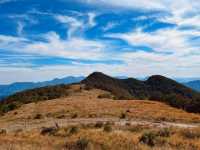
{"x":102,"y":137}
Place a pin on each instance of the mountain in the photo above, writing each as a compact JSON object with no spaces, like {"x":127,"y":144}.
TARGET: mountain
{"x":186,"y":79}
{"x":157,"y":87}
{"x":193,"y":84}
{"x":6,"y":90}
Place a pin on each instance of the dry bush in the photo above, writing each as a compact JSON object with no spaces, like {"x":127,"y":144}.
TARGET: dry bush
{"x":38,"y":116}
{"x":107,"y":128}
{"x":98,"y":125}
{"x":75,"y":115}
{"x":123,"y":115}
{"x":105,"y":95}
{"x":191,"y":133}
{"x":3,"y":132}
{"x":48,"y":131}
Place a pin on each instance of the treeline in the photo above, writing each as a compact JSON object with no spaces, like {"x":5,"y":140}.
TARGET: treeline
{"x":39,"y":94}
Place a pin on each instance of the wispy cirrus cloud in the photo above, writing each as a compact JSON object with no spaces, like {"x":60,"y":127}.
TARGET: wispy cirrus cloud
{"x":164,"y":40}
{"x":52,"y":45}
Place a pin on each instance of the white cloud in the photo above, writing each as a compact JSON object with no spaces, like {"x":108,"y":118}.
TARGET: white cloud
{"x":109,"y":26}
{"x":20,"y":27}
{"x":145,"y":4}
{"x":73,"y":23}
{"x":138,"y":64}
{"x":163,"y":40}
{"x":183,"y":12}
{"x":91,"y":19}
{"x":75,"y":48}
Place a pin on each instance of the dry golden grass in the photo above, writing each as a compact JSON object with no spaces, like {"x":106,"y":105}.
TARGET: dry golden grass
{"x":86,"y":104}
{"x":92,"y":138}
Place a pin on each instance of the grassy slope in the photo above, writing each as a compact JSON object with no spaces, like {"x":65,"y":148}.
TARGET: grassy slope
{"x":86,"y":104}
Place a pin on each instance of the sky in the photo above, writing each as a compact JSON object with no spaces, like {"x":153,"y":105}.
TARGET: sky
{"x":43,"y":39}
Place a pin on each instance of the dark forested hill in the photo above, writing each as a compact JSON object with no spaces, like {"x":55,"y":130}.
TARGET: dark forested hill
{"x":155,"y":87}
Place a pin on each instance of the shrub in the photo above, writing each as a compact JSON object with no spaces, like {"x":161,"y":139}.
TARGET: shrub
{"x":74,"y":116}
{"x":165,"y":132}
{"x":107,"y":128}
{"x":148,"y":138}
{"x":38,"y":116}
{"x":8,"y":107}
{"x":191,"y":133}
{"x":48,"y":131}
{"x":2,"y":132}
{"x":73,"y":130}
{"x":99,"y":125}
{"x":122,"y":116}
{"x":82,"y":143}
{"x":105,"y":95}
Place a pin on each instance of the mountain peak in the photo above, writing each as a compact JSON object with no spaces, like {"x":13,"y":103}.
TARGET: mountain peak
{"x":97,"y":74}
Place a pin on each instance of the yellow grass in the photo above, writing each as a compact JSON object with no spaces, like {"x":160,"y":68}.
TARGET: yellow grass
{"x":85,"y":104}
{"x":97,"y":138}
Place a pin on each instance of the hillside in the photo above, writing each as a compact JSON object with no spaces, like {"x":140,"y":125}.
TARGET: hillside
{"x":156,"y":87}
{"x":86,"y":120}
{"x":7,"y":90}
{"x":193,"y":84}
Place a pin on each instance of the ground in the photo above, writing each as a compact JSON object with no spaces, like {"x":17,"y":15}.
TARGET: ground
{"x":91,"y":119}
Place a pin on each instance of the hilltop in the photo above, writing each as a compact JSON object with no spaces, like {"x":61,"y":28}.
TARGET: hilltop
{"x":157,"y":88}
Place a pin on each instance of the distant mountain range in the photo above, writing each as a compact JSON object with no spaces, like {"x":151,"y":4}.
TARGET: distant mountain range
{"x":6,"y":90}
{"x":194,"y":85}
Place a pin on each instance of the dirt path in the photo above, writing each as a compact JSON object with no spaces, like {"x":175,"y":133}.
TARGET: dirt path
{"x":37,"y":124}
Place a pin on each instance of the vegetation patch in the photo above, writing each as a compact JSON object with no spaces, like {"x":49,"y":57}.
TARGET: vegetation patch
{"x":107,"y":127}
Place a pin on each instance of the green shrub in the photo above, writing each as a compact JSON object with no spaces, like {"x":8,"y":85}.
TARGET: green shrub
{"x":8,"y":107}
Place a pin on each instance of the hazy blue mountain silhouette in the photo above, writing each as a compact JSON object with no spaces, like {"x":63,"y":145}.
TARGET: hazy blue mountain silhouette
{"x":6,"y":90}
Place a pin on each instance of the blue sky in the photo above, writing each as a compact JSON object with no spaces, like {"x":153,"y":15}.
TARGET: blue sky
{"x":41,"y":40}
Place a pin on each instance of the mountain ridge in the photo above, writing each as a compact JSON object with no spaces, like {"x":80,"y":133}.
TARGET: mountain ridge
{"x":7,"y":90}
{"x":194,"y":85}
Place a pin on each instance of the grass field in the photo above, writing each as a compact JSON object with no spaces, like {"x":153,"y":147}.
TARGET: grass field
{"x":103,"y":137}
{"x":97,"y":104}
